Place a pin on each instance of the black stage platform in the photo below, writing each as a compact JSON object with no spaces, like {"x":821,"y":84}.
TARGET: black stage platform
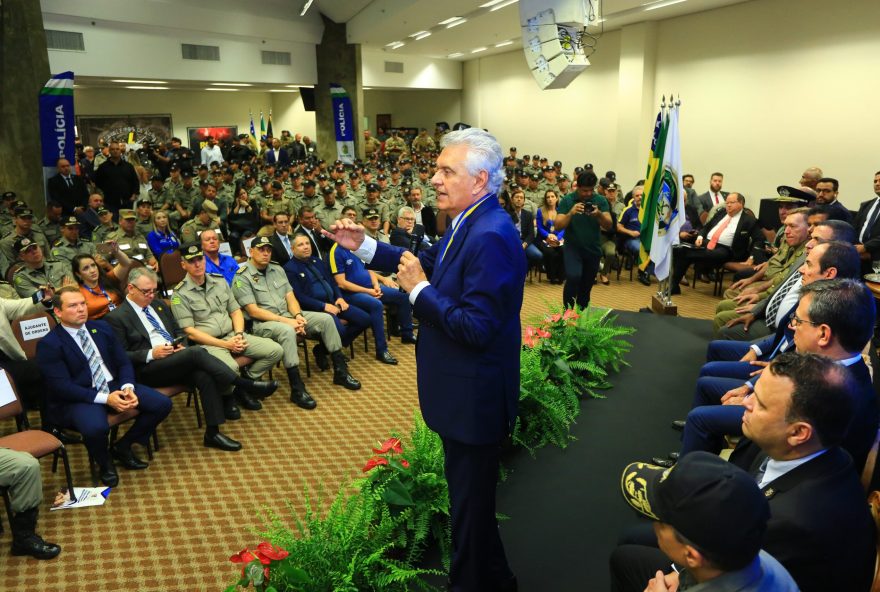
{"x":564,"y":507}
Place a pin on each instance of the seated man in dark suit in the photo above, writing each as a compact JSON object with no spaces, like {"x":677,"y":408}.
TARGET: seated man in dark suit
{"x":68,"y":189}
{"x":86,"y":372}
{"x":406,"y":234}
{"x":316,"y":290}
{"x":868,"y":229}
{"x":281,"y":239}
{"x":727,"y":236}
{"x":425,"y":216}
{"x":820,"y":529}
{"x":524,"y":221}
{"x":154,"y":344}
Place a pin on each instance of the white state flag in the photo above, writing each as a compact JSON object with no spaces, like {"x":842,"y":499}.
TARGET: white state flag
{"x":670,"y":202}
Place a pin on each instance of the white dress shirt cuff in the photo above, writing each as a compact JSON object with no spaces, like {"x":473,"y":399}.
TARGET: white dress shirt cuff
{"x":417,"y":290}
{"x":127,"y":386}
{"x":101,"y":398}
{"x":149,"y":356}
{"x":367,"y":250}
{"x":754,"y":347}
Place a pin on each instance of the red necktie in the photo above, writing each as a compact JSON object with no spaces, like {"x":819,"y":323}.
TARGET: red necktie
{"x":717,"y":234}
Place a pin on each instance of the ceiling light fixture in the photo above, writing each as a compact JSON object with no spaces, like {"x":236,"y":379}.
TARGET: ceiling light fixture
{"x":479,"y":49}
{"x":423,"y":35}
{"x":457,"y":54}
{"x":663,"y":4}
{"x":449,"y":20}
{"x":502,"y":5}
{"x":147,"y":87}
{"x":416,"y":34}
{"x":284,"y":90}
{"x":230,"y":84}
{"x":396,"y":45}
{"x":223,"y":89}
{"x":140,"y":81}
{"x":492,"y":3}
{"x":306,"y":7}
{"x":503,"y":43}
{"x":456,"y":23}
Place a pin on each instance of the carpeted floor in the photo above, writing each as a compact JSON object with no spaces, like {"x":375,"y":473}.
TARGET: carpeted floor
{"x":174,"y":526}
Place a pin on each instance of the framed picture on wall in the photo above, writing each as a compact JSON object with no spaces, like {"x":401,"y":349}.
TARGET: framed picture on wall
{"x":223,"y":134}
{"x":131,"y":129}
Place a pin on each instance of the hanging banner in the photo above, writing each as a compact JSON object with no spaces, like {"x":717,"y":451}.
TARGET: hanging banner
{"x":343,"y":122}
{"x":56,"y":120}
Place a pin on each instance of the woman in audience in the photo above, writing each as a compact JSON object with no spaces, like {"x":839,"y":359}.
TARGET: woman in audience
{"x":144,"y":178}
{"x":243,"y":218}
{"x":549,"y":239}
{"x":101,"y":290}
{"x":161,"y":239}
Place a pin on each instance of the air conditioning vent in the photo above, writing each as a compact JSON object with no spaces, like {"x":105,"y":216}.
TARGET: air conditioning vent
{"x":276,"y":58}
{"x":394,"y":67}
{"x":66,"y":40}
{"x":209,"y":53}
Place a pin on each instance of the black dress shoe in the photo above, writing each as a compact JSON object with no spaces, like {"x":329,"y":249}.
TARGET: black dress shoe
{"x":109,"y":476}
{"x":321,"y":357}
{"x":344,"y":379}
{"x":64,"y":436}
{"x":261,"y":388}
{"x":302,"y":399}
{"x":230,"y":409}
{"x":674,"y":455}
{"x":245,"y":400}
{"x":679,"y":424}
{"x":36,"y":547}
{"x":675,"y":290}
{"x":221,"y":442}
{"x":644,"y":279}
{"x":127,"y":458}
{"x":409,"y":339}
{"x":662,"y":462}
{"x":386,"y":358}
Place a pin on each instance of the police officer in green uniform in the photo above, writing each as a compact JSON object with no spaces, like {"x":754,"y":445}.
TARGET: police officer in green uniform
{"x":50,"y":224}
{"x":207,"y":311}
{"x":184,"y":199}
{"x":394,"y":146}
{"x":107,"y":228}
{"x":206,"y":219}
{"x":132,"y":242}
{"x":70,"y":244}
{"x":310,"y":195}
{"x":7,"y":207}
{"x":429,"y":194}
{"x":144,"y":223}
{"x":277,"y":205}
{"x":356,"y":189}
{"x":23,"y":222}
{"x":37,"y":273}
{"x":330,"y":211}
{"x":160,"y":196}
{"x":262,"y":289}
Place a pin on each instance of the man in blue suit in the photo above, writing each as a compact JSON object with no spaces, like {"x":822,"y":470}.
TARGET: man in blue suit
{"x":86,"y":372}
{"x":467,"y":291}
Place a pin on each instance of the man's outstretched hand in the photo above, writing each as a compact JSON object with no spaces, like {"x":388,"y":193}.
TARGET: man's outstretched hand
{"x":347,"y":233}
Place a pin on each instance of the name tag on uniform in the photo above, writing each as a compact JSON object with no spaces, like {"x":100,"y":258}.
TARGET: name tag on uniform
{"x":125,"y":247}
{"x":142,"y":245}
{"x":138,"y":256}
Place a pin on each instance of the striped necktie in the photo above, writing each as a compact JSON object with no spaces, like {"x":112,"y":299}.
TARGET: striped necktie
{"x":157,"y":326}
{"x":779,"y":296}
{"x":98,"y":376}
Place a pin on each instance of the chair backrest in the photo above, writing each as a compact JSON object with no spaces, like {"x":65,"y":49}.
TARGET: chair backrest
{"x":874,"y":506}
{"x":29,"y":329}
{"x":123,"y":281}
{"x":12,"y":269}
{"x":10,"y":406}
{"x":169,"y":267}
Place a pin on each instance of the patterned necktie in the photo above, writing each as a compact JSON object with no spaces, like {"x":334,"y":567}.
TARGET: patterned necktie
{"x":870,"y":220}
{"x":779,"y":296}
{"x":713,"y":242}
{"x":762,"y":470}
{"x":157,"y":326}
{"x":98,"y":376}
{"x":286,"y":242}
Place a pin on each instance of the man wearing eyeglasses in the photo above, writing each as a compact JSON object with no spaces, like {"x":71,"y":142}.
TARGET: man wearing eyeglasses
{"x":708,"y":422}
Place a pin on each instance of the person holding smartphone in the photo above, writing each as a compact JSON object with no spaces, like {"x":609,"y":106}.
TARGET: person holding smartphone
{"x":582,"y":214}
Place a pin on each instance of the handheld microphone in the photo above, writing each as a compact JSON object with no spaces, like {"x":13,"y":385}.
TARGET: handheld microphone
{"x":415,"y":243}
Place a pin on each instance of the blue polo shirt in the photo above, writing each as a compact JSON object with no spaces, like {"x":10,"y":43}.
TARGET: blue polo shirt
{"x":630,"y":218}
{"x":227,"y":268}
{"x":343,"y":261}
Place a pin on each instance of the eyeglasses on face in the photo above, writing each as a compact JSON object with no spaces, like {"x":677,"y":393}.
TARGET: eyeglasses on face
{"x":150,"y":292}
{"x":795,"y":321}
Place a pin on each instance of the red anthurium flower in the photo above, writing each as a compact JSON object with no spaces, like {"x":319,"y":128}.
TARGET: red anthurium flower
{"x":391,"y":444}
{"x":266,"y":574}
{"x":374,"y":462}
{"x":570,"y":314}
{"x":243,"y":556}
{"x":404,"y":463}
{"x":555,"y":317}
{"x":543,"y":334}
{"x":273,"y":553}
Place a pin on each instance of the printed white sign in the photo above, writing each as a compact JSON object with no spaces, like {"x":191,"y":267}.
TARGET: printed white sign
{"x":34,"y":328}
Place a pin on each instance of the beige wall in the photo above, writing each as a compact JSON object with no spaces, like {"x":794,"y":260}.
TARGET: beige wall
{"x":768,"y":88}
{"x":199,"y":108}
{"x":413,"y":108}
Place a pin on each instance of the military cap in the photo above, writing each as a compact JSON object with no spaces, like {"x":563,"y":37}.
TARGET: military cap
{"x":548,"y":168}
{"x":371,"y":213}
{"x":423,"y":170}
{"x":526,"y":157}
{"x":70,"y":221}
{"x":588,"y":167}
{"x":157,"y":178}
{"x":799,"y":194}
{"x":228,"y":171}
{"x":190,"y":251}
{"x":339,"y":182}
{"x":205,"y":182}
{"x":611,"y":175}
{"x":372,"y":187}
{"x":534,"y":177}
{"x":23,"y":212}
{"x":127,"y":215}
{"x":175,"y":167}
{"x":210,"y":207}
{"x":102,"y":210}
{"x":277,"y":185}
{"x":22,"y":243}
{"x":513,"y":149}
{"x":265,"y":180}
{"x":203,"y":167}
{"x":327,"y":190}
{"x":144,"y":202}
{"x":394,"y":170}
{"x":381,"y":177}
{"x":322,"y":177}
{"x":294,"y":175}
{"x":308,"y":183}
{"x":605,"y":182}
{"x":7,"y":195}
{"x":261,"y":242}
{"x":557,"y":163}
{"x":186,"y":175}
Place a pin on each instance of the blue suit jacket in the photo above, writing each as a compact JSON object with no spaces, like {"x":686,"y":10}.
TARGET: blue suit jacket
{"x":301,"y":282}
{"x":469,"y":334}
{"x":65,"y":368}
